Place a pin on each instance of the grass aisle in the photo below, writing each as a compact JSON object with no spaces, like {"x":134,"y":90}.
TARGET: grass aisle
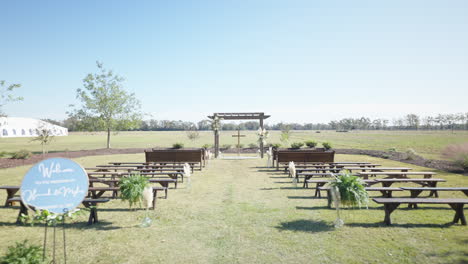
{"x":239,"y":212}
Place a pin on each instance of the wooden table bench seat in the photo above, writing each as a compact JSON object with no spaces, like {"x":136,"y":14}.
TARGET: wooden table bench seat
{"x":173,"y":175}
{"x":394,"y":174}
{"x":426,"y":182}
{"x":97,"y":192}
{"x":11,"y":191}
{"x":115,"y":182}
{"x":303,"y":166}
{"x":87,"y":202}
{"x":415,"y":191}
{"x":390,"y":204}
{"x":321,"y":182}
{"x":386,"y":192}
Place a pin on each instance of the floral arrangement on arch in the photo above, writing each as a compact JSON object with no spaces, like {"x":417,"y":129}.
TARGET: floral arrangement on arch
{"x":262,"y":136}
{"x":216,"y":123}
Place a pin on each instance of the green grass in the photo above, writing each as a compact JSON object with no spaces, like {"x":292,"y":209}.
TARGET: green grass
{"x":238,"y":212}
{"x":426,"y":143}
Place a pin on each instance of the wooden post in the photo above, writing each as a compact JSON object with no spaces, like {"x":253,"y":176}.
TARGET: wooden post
{"x":261,"y":142}
{"x":216,"y":143}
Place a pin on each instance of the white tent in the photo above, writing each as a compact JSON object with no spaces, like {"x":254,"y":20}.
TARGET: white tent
{"x":27,"y":127}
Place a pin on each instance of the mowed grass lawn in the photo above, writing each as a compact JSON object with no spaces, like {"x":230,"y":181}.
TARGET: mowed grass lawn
{"x":429,"y":144}
{"x":237,"y":211}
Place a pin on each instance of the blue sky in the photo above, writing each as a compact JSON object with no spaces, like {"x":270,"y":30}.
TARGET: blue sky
{"x":301,"y":61}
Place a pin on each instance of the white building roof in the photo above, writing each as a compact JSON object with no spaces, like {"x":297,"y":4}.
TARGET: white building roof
{"x":27,"y":127}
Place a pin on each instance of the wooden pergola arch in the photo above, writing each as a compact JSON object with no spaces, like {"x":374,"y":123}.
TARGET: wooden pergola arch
{"x":238,"y":116}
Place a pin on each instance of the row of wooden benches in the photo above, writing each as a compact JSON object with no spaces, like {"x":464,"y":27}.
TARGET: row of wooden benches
{"x":111,"y":179}
{"x":394,"y":175}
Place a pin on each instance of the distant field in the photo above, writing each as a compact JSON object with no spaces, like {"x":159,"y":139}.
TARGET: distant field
{"x":426,"y":143}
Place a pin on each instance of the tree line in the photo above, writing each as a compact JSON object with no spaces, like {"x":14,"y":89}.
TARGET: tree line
{"x":408,"y":122}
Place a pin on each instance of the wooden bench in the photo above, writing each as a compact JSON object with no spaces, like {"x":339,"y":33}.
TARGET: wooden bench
{"x":176,"y":165}
{"x":330,"y":166}
{"x":11,"y":191}
{"x":173,"y":175}
{"x":394,"y":174}
{"x":321,"y":182}
{"x":308,"y":176}
{"x":415,"y":191}
{"x":115,"y":182}
{"x":87,"y":202}
{"x":427,"y":182}
{"x":390,"y":204}
{"x":386,"y":192}
{"x":97,"y":192}
{"x":303,"y":156}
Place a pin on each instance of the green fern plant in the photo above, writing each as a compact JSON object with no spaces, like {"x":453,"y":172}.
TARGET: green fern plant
{"x":311,"y":143}
{"x":297,"y":145}
{"x":177,"y":145}
{"x":131,"y":188}
{"x":22,"y":252}
{"x":351,"y":189}
{"x":326,"y":145}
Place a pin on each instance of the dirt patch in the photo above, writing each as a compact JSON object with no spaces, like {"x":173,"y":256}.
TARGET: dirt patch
{"x":10,"y":163}
{"x":442,"y":165}
{"x":397,"y":156}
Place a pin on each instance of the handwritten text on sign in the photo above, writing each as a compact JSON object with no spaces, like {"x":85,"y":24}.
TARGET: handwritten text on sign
{"x":58,"y":185}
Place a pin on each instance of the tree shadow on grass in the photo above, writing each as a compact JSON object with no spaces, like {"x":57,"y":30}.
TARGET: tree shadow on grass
{"x":308,"y":226}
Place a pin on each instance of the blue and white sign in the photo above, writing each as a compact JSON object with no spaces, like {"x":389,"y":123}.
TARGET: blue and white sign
{"x":58,"y":185}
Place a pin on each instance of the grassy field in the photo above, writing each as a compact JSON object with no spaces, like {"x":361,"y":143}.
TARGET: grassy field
{"x":240,"y":212}
{"x":426,"y":143}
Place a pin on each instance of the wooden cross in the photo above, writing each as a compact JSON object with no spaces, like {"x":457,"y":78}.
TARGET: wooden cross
{"x":238,"y":136}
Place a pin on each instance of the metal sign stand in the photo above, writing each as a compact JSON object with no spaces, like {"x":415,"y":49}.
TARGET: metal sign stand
{"x":54,"y":244}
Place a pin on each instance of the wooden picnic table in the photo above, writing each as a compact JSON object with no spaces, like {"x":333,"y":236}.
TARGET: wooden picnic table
{"x":427,"y":182}
{"x":113,"y":175}
{"x":87,"y":202}
{"x":97,"y":192}
{"x":115,"y":183}
{"x":390,"y":204}
{"x":379,"y":169}
{"x":133,"y":169}
{"x":321,"y":182}
{"x":148,"y":165}
{"x":11,"y":191}
{"x":331,"y":165}
{"x":386,"y":192}
{"x":415,"y":191}
{"x":402,"y":174}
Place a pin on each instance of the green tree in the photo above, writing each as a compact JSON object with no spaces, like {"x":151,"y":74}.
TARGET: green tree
{"x":6,"y":94}
{"x":44,"y":136}
{"x":105,"y":104}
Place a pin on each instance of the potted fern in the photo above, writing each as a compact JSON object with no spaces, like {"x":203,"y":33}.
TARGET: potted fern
{"x":135,"y":189}
{"x":132,"y":187}
{"x":348,"y":191}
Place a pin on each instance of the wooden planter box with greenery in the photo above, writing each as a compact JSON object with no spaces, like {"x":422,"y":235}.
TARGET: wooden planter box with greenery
{"x":302,"y":155}
{"x":178,"y":155}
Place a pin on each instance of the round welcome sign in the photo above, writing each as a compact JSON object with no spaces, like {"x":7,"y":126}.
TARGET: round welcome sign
{"x":58,"y":185}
